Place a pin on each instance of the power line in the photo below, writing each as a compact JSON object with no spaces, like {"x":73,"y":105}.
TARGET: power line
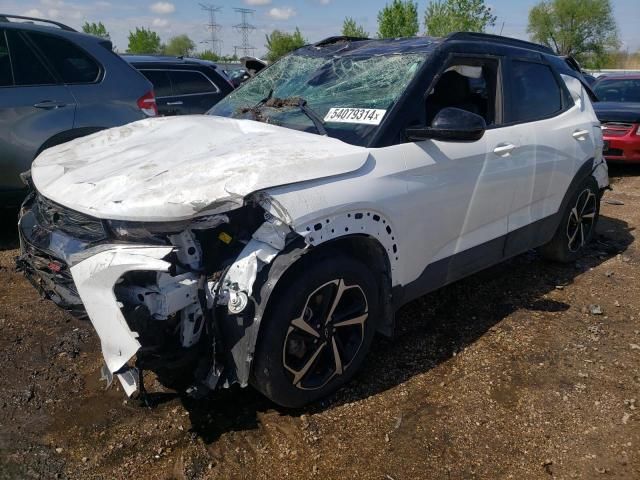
{"x":245,"y":28}
{"x":213,"y":26}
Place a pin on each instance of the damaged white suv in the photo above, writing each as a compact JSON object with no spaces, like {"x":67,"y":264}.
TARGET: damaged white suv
{"x":266,"y":243}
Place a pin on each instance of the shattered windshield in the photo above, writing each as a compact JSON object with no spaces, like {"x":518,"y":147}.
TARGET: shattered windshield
{"x":348,"y":95}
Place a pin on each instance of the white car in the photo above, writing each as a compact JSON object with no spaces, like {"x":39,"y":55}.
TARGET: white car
{"x":266,"y":243}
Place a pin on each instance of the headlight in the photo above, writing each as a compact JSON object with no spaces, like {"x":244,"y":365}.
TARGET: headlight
{"x":153,"y":232}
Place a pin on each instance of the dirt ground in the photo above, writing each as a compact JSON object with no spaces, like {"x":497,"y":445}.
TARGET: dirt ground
{"x":528,"y":370}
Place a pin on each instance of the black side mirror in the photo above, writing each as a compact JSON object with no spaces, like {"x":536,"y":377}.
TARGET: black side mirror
{"x":450,"y":125}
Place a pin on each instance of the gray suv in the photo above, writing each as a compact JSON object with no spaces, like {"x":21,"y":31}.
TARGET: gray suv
{"x":56,"y":85}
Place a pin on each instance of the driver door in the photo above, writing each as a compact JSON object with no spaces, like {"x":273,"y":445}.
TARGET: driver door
{"x":461,"y":192}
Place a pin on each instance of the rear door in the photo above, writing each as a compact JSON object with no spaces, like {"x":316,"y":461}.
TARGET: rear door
{"x":34,"y":106}
{"x":544,"y":136}
{"x":81,"y":73}
{"x":195,"y":89}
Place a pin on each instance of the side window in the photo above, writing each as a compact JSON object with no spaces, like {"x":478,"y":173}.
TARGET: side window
{"x":72,"y":63}
{"x":188,"y":82}
{"x":27,"y":67}
{"x":6,"y":77}
{"x":469,"y":84}
{"x":535,"y":93}
{"x":160,"y":81}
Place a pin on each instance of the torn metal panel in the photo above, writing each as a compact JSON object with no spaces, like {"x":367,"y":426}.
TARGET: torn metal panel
{"x":172,"y":168}
{"x":95,"y":278}
{"x":242,"y":274}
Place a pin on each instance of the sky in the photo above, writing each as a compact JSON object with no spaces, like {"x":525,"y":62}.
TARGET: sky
{"x":317,"y":19}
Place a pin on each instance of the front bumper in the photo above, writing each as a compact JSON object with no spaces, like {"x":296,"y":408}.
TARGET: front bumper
{"x":81,"y":274}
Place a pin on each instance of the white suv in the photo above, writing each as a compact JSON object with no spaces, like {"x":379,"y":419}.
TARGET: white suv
{"x":268,"y":241}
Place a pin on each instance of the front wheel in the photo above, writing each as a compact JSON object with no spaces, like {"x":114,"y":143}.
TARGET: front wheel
{"x":316,"y":333}
{"x":577,"y":225}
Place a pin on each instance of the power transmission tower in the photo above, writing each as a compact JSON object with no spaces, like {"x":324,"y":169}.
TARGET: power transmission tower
{"x":213,"y":27}
{"x":245,"y":28}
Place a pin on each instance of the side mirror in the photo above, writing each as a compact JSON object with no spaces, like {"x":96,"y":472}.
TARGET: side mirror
{"x":450,"y":125}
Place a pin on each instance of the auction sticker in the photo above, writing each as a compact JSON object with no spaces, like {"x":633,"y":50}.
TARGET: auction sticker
{"x":367,"y":116}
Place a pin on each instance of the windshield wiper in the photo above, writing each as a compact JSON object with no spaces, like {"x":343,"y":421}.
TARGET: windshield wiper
{"x":275,"y":102}
{"x":313,"y":116}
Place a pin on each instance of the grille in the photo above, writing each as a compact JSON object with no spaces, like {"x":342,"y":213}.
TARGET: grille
{"x":616,"y":129}
{"x":614,"y":152}
{"x":78,"y":225}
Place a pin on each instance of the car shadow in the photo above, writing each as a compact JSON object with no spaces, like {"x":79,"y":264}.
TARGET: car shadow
{"x":429,"y":331}
{"x":9,"y":229}
{"x":620,"y":169}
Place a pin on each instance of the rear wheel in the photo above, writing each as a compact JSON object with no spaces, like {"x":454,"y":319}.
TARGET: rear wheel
{"x":318,"y":330}
{"x":577,"y":226}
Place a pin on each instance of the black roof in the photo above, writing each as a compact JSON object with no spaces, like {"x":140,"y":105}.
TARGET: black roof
{"x":346,"y":46}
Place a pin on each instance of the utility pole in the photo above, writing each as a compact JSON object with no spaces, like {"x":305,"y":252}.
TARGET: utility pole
{"x":213,"y":27}
{"x":245,"y":28}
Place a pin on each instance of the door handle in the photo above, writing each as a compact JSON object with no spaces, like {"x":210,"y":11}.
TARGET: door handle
{"x":504,"y":149}
{"x":174,"y":103}
{"x":580,"y":134}
{"x":49,"y":104}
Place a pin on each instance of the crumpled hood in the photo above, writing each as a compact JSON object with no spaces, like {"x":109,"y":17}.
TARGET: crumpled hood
{"x":172,"y":168}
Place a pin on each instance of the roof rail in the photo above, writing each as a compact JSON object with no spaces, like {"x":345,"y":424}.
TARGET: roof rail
{"x":336,"y":39}
{"x":487,"y":37}
{"x":4,"y":17}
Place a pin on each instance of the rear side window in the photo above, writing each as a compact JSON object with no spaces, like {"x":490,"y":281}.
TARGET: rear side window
{"x":28,"y":70}
{"x":535,"y":93}
{"x":6,"y":78}
{"x":72,"y":63}
{"x":160,"y":81}
{"x":188,"y":82}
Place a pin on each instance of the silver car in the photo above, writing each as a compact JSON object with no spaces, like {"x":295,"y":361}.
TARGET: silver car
{"x":56,"y":85}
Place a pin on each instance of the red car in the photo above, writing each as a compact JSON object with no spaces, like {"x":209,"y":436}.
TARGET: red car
{"x":619,"y":112}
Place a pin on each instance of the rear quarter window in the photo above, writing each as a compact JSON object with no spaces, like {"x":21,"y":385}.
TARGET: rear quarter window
{"x":535,"y":93}
{"x":189,"y":82}
{"x":160,"y":81}
{"x":71,"y":63}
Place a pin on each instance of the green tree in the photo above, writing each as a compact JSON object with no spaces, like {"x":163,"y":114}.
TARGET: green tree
{"x":280,"y":43}
{"x":179,"y":46}
{"x":585,"y":29}
{"x":398,"y":19}
{"x":144,"y":41}
{"x":209,"y":55}
{"x":97,"y":29}
{"x":351,"y":29}
{"x":447,"y":16}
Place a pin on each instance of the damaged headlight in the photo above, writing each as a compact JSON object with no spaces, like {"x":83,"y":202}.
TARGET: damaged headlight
{"x":153,"y":232}
{"x":157,"y":232}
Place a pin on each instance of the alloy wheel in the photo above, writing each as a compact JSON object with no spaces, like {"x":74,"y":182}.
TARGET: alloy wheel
{"x":324,"y":340}
{"x":581,"y":220}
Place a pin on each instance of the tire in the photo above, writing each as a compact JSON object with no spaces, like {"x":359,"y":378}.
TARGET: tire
{"x":577,"y":225}
{"x":295,"y":362}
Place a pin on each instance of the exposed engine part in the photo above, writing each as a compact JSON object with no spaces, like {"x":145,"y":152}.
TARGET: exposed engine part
{"x":237,"y":301}
{"x":168,"y":296}
{"x":189,"y":252}
{"x":237,"y":285}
